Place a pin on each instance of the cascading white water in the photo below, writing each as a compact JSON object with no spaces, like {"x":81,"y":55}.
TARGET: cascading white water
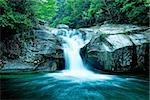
{"x":72,"y":43}
{"x":73,"y":61}
{"x":72,"y":55}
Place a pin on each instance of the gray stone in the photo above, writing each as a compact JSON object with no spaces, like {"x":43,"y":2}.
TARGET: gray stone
{"x":16,"y":66}
{"x":62,"y":26}
{"x":112,"y":49}
{"x":107,"y":47}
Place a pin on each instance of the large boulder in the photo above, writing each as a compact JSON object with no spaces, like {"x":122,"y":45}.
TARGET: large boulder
{"x":45,"y":46}
{"x":118,"y":48}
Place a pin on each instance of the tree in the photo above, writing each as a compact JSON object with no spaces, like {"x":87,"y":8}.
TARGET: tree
{"x":16,"y":17}
{"x":45,"y":9}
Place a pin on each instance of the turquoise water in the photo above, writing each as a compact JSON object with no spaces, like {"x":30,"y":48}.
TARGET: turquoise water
{"x":56,"y":87}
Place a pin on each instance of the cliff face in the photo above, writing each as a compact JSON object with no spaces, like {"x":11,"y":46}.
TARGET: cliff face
{"x":117,"y":48}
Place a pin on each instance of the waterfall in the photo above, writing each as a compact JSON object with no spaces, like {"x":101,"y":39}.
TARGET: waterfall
{"x":72,"y":42}
{"x":72,"y":55}
{"x":73,"y":61}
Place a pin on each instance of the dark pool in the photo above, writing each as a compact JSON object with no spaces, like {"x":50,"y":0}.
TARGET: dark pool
{"x":57,"y":87}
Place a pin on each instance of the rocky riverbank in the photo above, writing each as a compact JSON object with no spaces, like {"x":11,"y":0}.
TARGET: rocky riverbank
{"x":109,"y":47}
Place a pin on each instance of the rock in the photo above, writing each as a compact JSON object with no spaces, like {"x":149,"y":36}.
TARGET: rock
{"x":118,"y":48}
{"x":44,"y":34}
{"x":48,"y":65}
{"x":46,"y":45}
{"x":10,"y":48}
{"x":119,"y":28}
{"x":111,"y":47}
{"x":54,"y":66}
{"x":15,"y":66}
{"x":62,"y":26}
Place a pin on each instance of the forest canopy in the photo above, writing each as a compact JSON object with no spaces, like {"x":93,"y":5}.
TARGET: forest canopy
{"x":22,"y":15}
{"x":83,"y":13}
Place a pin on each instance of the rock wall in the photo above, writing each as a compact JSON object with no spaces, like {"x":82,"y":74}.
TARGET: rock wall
{"x":109,"y":47}
{"x":119,"y":48}
{"x":44,"y":52}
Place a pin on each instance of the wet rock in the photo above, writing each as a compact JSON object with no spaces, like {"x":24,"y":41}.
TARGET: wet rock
{"x":62,"y":26}
{"x":15,"y":66}
{"x":45,"y":50}
{"x":110,"y":47}
{"x":118,"y":48}
{"x":54,"y":66}
{"x":10,"y":48}
{"x":46,"y":45}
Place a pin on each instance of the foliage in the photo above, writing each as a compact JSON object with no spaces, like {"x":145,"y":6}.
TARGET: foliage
{"x":83,"y":13}
{"x":16,"y":16}
{"x":20,"y":15}
{"x":45,"y":9}
{"x":132,"y":12}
